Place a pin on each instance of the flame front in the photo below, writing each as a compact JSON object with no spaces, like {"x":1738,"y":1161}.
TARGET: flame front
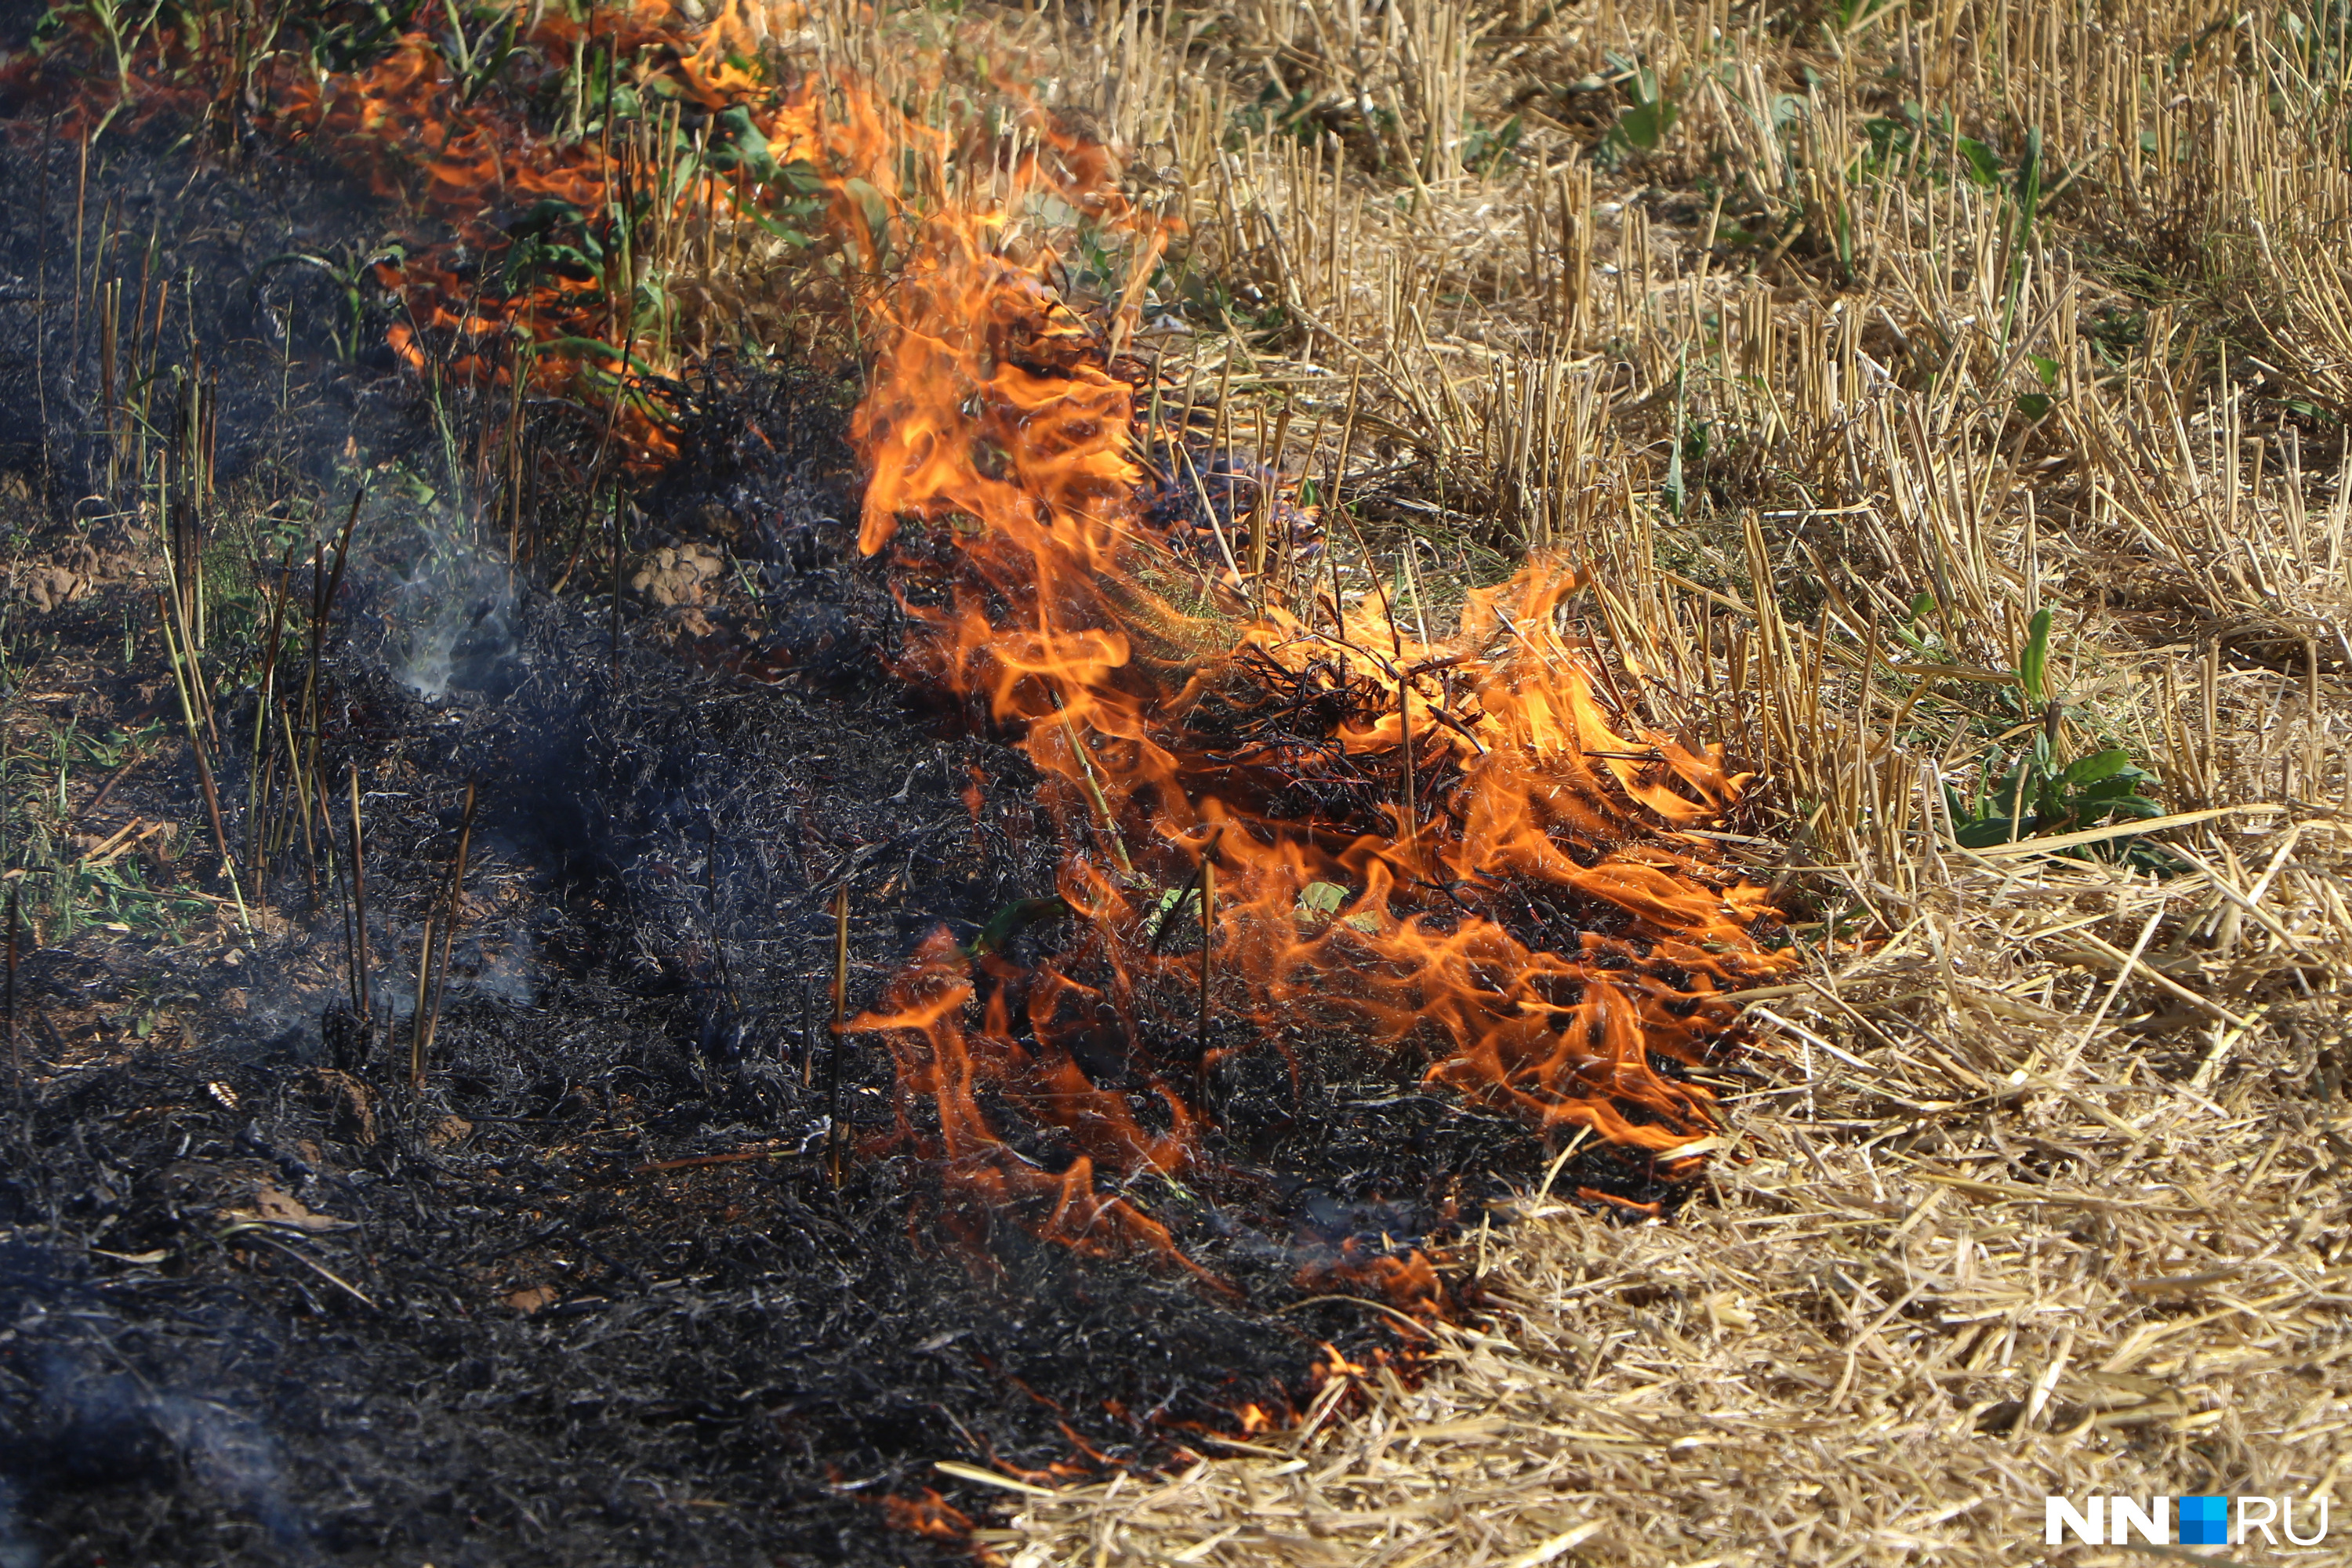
{"x":1006,"y":480}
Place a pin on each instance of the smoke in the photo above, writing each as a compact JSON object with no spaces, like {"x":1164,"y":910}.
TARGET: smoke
{"x":92,"y":1427}
{"x":509,"y":976}
{"x":452,"y":616}
{"x":16,"y":1551}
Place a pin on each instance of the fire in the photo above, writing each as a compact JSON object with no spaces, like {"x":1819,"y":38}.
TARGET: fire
{"x":929,"y":1514}
{"x":1336,"y":1364}
{"x":1411,"y":1282}
{"x":1448,"y":844}
{"x":1496,"y":871}
{"x":546,"y":266}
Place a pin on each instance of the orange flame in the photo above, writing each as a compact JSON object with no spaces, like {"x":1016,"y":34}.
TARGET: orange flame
{"x":467,"y":155}
{"x":929,"y":1514}
{"x":996,"y":430}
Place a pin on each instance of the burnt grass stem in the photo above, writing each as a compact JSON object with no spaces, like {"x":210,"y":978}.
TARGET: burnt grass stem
{"x":836,"y":1138}
{"x":15,"y":1045}
{"x":174,"y":652}
{"x":362,"y":996}
{"x":429,"y":1021}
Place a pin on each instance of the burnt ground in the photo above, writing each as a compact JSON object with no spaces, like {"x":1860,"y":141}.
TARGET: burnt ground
{"x":593,"y":1296}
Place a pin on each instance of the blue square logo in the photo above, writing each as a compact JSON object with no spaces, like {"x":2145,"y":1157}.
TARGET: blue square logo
{"x":2204,"y":1521}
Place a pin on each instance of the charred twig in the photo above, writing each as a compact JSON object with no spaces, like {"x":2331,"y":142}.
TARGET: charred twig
{"x":416,"y":1012}
{"x":1208,"y":954}
{"x":1184,"y":895}
{"x":1404,"y":707}
{"x":835,"y":1132}
{"x":323,"y":606}
{"x":452,"y":910}
{"x":428,"y":1012}
{"x":808,"y":1037}
{"x":340,"y":881}
{"x":265,"y":758}
{"x":89,"y":807}
{"x":254,"y":1233}
{"x":16,"y":1047}
{"x":196,"y":744}
{"x":696,"y":1162}
{"x":362,"y":994}
{"x":1094,"y":789}
{"x":618,"y":502}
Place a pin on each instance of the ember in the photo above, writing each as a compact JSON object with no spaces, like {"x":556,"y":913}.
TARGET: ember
{"x":929,"y":1514}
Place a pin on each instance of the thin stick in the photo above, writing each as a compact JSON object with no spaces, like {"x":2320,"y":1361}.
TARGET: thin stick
{"x":89,"y":807}
{"x":417,"y":1014}
{"x":1208,"y":951}
{"x":1167,"y":921}
{"x":1094,"y":788}
{"x":81,"y":219}
{"x":1404,"y":731}
{"x":342,"y":885}
{"x":16,"y":1047}
{"x":698,"y":1161}
{"x":196,"y":744}
{"x":323,"y":605}
{"x":257,"y":839}
{"x":834,"y":1137}
{"x":449,"y":917}
{"x":808,"y":1038}
{"x":363,"y":994}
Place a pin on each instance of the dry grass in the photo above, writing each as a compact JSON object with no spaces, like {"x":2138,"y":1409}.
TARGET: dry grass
{"x":1996,"y":1250}
{"x":2041,"y":1188}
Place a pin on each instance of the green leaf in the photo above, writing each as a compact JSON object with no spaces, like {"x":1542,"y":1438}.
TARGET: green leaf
{"x":1987,"y":833}
{"x":802,"y":176}
{"x":1172,"y":902}
{"x":1983,"y":167}
{"x":745,"y":144}
{"x":2033,"y":405}
{"x":1651,"y":119}
{"x":2092,"y":769}
{"x":2116,"y":788}
{"x":2045,"y":369}
{"x":797,"y":238}
{"x":871,"y":208}
{"x":1646,"y":125}
{"x":1322,"y":899}
{"x":2032,"y":666}
{"x":1008,"y":921}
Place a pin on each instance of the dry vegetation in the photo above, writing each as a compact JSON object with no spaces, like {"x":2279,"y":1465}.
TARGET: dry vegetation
{"x":1843,"y":341}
